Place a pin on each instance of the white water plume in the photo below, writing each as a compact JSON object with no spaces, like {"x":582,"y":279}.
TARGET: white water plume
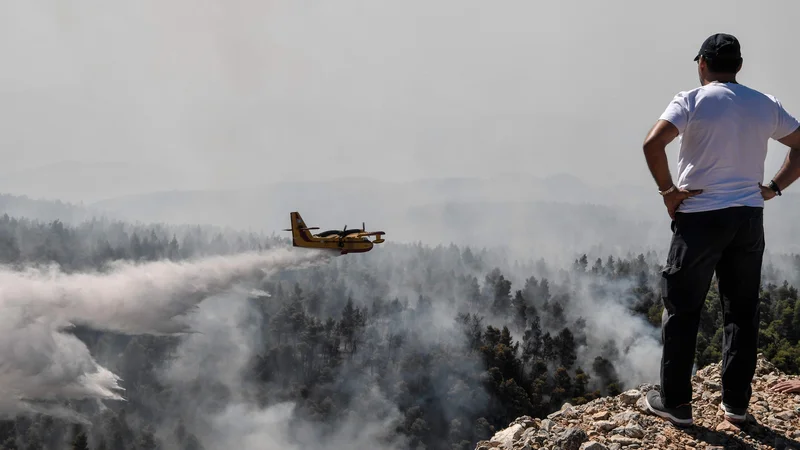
{"x":41,"y":362}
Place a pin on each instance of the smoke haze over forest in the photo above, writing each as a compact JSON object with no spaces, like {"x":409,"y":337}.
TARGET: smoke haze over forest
{"x":440,"y":122}
{"x":383,"y":350}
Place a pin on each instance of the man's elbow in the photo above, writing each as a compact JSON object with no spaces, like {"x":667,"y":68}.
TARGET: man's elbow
{"x":652,"y":147}
{"x":662,"y":133}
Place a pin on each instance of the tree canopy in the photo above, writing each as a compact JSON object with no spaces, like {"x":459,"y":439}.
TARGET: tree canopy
{"x":441,"y":346}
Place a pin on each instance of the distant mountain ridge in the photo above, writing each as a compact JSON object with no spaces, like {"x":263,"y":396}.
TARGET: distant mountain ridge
{"x":48,"y":210}
{"x":76,"y":181}
{"x":519,"y":212}
{"x":513,"y":210}
{"x":88,"y":182}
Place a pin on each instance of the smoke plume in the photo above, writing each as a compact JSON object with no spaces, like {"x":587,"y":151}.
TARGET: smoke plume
{"x":41,"y":362}
{"x":215,"y":399}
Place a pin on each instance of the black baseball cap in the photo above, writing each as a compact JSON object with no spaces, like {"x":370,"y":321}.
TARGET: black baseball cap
{"x":720,"y":46}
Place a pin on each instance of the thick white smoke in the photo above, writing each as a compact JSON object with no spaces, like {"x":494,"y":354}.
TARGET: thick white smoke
{"x":216,"y":400}
{"x":40,"y":362}
{"x":609,"y":320}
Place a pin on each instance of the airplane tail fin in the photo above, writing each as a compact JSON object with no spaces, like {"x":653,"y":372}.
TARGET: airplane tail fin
{"x":299,"y":229}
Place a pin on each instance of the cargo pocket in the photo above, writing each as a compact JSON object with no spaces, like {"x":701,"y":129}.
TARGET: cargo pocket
{"x":671,"y":273}
{"x":756,"y":233}
{"x":668,"y":276}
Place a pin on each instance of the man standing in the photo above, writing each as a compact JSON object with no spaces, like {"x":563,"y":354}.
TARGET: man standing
{"x":716,"y":209}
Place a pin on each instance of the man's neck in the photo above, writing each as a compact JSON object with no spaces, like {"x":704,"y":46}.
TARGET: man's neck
{"x":721,"y":79}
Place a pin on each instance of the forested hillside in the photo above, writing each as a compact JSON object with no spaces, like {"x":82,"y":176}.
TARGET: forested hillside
{"x":46,"y":210}
{"x":408,"y":346}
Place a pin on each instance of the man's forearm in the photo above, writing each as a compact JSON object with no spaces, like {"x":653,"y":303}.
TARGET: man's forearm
{"x":656,"y":156}
{"x":790,"y":170}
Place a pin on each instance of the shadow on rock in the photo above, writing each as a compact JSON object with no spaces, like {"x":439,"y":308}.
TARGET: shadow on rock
{"x":720,"y":439}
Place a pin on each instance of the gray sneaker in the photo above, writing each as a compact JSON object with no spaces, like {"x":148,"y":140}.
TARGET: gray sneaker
{"x":734,"y":415}
{"x":680,"y":416}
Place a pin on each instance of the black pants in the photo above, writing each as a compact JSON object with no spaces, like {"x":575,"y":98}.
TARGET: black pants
{"x":729,"y":242}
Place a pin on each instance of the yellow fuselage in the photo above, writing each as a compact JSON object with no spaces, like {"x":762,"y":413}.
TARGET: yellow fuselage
{"x":345,"y":241}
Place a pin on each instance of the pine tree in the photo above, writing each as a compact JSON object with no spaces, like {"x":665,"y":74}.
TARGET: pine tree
{"x":532,"y":342}
{"x":597,"y":268}
{"x":519,"y":306}
{"x":579,"y":386}
{"x":566,"y":351}
{"x":79,"y":441}
{"x":173,"y":250}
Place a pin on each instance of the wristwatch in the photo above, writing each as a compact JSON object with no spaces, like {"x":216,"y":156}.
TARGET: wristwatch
{"x":772,"y":185}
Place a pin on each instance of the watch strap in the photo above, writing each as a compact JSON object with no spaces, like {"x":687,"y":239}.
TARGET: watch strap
{"x":774,"y":187}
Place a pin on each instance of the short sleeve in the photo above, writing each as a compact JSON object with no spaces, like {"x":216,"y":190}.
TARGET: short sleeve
{"x":785,"y":124}
{"x":677,"y":112}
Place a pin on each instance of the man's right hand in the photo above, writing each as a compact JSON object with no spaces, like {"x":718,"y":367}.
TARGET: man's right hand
{"x":674,"y":199}
{"x":787,"y":386}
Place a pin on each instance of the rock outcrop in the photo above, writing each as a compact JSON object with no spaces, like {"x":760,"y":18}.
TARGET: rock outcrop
{"x":623,"y":422}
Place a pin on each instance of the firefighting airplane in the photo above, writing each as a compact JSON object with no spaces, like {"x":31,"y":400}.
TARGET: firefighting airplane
{"x":344,"y":240}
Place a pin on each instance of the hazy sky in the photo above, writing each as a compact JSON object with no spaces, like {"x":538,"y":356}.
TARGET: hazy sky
{"x":236,"y":90}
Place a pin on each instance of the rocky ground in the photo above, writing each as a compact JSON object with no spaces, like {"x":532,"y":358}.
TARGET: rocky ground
{"x":623,"y":422}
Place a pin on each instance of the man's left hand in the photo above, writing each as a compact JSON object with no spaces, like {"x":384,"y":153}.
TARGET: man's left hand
{"x":766,"y":192}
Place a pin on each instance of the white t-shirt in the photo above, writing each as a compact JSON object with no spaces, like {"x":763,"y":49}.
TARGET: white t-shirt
{"x":724,"y":131}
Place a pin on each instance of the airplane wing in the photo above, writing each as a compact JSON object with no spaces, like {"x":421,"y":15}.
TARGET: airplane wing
{"x":371,"y":233}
